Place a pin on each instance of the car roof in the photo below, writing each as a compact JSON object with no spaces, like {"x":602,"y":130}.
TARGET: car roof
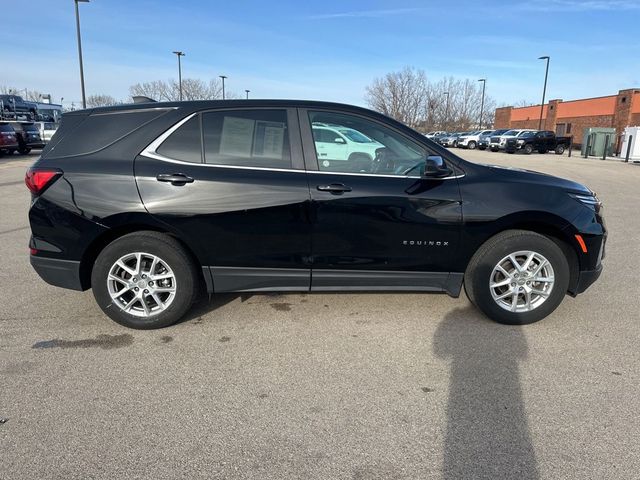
{"x":213,"y":104}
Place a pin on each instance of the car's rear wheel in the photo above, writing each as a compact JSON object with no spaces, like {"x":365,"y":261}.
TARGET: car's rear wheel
{"x":559,"y":150}
{"x":144,"y":280}
{"x":517,"y":277}
{"x":471,"y":145}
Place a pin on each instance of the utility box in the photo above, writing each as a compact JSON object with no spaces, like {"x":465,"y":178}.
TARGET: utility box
{"x":631,"y":144}
{"x":596,"y":140}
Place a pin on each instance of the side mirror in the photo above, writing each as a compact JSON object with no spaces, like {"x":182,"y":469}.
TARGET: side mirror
{"x":436,"y":168}
{"x":339,"y":140}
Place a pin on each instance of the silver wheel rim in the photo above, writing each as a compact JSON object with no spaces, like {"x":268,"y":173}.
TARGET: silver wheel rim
{"x":141,"y":284}
{"x":521,"y":281}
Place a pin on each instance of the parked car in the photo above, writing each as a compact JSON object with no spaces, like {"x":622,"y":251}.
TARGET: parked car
{"x":28,"y":136}
{"x":485,"y":139}
{"x":498,"y":142}
{"x":470,"y":140}
{"x":541,"y":142}
{"x":146,"y":203}
{"x":46,"y":129}
{"x":8,"y":139}
{"x":15,"y":104}
{"x":450,"y":140}
{"x":341,"y":147}
{"x":434,"y":134}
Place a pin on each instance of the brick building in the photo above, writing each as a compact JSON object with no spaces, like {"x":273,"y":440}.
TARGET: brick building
{"x":572,"y":117}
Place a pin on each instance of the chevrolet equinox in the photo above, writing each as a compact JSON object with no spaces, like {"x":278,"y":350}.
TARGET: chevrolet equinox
{"x":149,"y":204}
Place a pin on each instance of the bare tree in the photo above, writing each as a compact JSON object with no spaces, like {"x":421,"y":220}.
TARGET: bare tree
{"x":448,"y":104}
{"x":101,"y":101}
{"x":401,"y":95}
{"x":522,"y":103}
{"x":26,"y":94}
{"x":169,"y":91}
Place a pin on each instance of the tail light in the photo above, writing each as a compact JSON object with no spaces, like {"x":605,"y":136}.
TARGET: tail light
{"x":38,"y":179}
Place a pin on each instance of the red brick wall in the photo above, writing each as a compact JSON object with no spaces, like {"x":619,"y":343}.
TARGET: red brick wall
{"x":607,"y":112}
{"x":502,"y":118}
{"x":578,"y":124}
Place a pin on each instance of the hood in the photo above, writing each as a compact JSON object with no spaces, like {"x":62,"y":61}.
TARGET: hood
{"x":530,"y":176}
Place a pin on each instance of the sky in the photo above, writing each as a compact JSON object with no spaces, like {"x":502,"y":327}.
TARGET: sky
{"x":329,"y":50}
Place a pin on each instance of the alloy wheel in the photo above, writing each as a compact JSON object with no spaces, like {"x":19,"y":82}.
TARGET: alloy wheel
{"x":141,"y":284}
{"x":521,"y":281}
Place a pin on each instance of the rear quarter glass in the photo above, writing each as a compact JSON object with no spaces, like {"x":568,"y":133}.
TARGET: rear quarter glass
{"x":81,"y":135}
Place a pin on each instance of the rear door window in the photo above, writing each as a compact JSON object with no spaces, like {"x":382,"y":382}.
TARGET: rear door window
{"x":247,"y":138}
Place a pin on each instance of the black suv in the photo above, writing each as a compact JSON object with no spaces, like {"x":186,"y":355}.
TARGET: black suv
{"x":145,"y":203}
{"x":28,"y":136}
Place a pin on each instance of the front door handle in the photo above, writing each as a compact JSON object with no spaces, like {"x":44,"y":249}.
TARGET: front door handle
{"x":178,"y":179}
{"x":335,"y":188}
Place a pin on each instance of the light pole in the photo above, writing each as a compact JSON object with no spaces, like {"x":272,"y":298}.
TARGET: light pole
{"x":179,"y":54}
{"x":446,"y":112}
{"x":223,"y":78}
{"x":484,"y":84}
{"x":247,"y":92}
{"x":544,"y":89}
{"x":84,"y":98}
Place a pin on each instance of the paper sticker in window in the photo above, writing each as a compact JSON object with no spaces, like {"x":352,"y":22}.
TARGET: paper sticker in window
{"x":269,"y":139}
{"x":237,"y":135}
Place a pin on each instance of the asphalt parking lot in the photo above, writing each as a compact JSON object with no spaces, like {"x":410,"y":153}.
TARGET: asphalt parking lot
{"x":324,"y":386}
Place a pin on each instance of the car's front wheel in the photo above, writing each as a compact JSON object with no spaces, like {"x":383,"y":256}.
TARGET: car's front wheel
{"x":517,"y":277}
{"x":471,"y":145}
{"x":144,"y":280}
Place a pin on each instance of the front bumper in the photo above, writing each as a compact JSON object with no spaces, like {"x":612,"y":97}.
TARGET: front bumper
{"x":586,"y":278}
{"x":57,"y":272}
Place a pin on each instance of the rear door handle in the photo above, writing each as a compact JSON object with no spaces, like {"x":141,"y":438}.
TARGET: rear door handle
{"x":335,"y":188}
{"x":174,"y":178}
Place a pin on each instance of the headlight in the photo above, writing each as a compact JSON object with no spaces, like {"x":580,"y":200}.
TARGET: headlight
{"x":590,"y":201}
{"x":520,"y":142}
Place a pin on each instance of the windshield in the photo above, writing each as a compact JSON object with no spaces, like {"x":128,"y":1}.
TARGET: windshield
{"x":528,"y":134}
{"x":513,"y":133}
{"x":355,"y":136}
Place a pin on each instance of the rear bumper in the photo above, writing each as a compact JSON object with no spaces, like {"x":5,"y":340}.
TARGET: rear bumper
{"x":56,"y":272}
{"x":586,"y":278}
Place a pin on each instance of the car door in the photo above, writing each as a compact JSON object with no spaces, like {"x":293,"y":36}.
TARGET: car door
{"x":384,"y":226}
{"x":231,"y":183}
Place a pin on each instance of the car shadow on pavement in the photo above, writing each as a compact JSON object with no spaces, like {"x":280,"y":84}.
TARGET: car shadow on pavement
{"x":487,"y":432}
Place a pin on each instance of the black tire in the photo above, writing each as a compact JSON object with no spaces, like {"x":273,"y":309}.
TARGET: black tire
{"x":528,"y":149}
{"x":510,"y":151}
{"x":171,"y":252}
{"x":482,"y":148}
{"x":559,"y":150}
{"x":494,"y":149}
{"x":472,"y":145}
{"x":24,"y":150}
{"x":478,"y":274}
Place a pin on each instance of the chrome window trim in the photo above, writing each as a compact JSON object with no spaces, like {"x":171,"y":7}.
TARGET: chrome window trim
{"x":150,"y":152}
